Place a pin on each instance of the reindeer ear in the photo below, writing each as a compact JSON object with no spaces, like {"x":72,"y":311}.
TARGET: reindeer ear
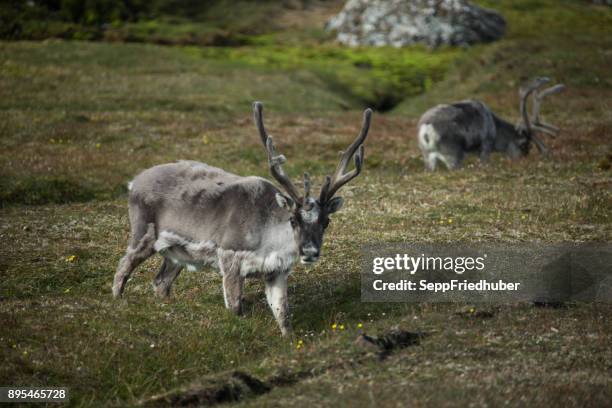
{"x":334,"y":205}
{"x":284,"y":202}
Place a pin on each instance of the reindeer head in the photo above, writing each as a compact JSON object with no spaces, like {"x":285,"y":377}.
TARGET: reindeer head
{"x":527,"y":128}
{"x":310,"y":216}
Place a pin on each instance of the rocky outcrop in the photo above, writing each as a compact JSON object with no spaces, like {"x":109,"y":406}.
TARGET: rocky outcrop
{"x":405,"y":22}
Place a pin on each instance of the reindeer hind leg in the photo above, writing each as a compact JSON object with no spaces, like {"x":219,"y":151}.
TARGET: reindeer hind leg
{"x":138,"y":251}
{"x":168,"y":272}
{"x":452,"y":156}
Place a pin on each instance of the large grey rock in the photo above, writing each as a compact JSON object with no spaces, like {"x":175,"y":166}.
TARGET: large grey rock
{"x":405,"y":22}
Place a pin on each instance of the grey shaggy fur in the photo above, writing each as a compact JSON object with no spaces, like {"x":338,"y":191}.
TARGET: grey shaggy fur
{"x":448,"y":132}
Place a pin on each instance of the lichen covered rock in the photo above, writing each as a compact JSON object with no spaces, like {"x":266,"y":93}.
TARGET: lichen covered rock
{"x":405,"y":22}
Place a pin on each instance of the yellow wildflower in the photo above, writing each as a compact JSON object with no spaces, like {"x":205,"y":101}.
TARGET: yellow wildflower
{"x":71,"y":258}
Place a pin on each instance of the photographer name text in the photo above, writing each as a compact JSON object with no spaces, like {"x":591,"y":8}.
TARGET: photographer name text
{"x":454,"y":284}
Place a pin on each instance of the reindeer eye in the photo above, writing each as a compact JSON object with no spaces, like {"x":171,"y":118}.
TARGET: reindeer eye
{"x":293,"y":222}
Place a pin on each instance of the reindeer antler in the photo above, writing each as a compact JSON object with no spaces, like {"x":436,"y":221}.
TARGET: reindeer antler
{"x":537,"y":103}
{"x":274,"y":160}
{"x":306,"y":187}
{"x":334,"y":183}
{"x":525,"y":92}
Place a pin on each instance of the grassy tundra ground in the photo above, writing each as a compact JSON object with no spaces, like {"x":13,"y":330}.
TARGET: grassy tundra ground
{"x":78,"y":120}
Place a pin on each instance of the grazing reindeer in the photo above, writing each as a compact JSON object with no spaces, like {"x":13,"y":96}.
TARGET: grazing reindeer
{"x":447,"y":132}
{"x":196,"y":215}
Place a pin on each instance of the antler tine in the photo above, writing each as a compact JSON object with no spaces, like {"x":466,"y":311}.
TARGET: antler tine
{"x":306,"y":187}
{"x":258,"y":116}
{"x":538,"y":97}
{"x":544,"y":128}
{"x":274,"y":160}
{"x":533,"y":85}
{"x":325,"y":189}
{"x":525,"y":92}
{"x":334,"y":183}
{"x":540,"y":145}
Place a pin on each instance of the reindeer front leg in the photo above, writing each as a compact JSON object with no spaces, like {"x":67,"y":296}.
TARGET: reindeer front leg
{"x":485,"y":150}
{"x":276,"y":294}
{"x":233,"y":284}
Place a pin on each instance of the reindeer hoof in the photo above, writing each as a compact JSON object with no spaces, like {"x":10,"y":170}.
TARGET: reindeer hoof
{"x":161,"y":291}
{"x":286,"y":331}
{"x":236,"y":309}
{"x":117,"y":291}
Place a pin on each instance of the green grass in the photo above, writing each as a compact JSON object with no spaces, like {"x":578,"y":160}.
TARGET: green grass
{"x":43,"y":190}
{"x":79,"y":119}
{"x":375,"y":77}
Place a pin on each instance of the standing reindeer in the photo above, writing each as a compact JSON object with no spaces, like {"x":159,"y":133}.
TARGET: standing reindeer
{"x":196,"y":215}
{"x":447,"y":132}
